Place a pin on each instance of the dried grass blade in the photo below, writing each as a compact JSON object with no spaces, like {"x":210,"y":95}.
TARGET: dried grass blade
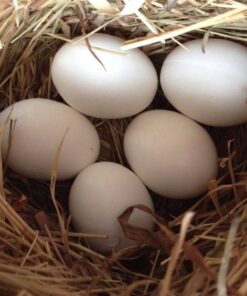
{"x":36,"y":4}
{"x":30,"y":249}
{"x":155,"y":262}
{"x":214,"y":195}
{"x":2,"y":192}
{"x":94,"y":54}
{"x":54,"y":245}
{"x":53,"y":190}
{"x":17,"y":19}
{"x":233,"y":275}
{"x":165,"y":283}
{"x":231,"y":171}
{"x":221,"y":281}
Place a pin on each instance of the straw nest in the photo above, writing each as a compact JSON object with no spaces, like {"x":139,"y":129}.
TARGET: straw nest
{"x":199,"y":246}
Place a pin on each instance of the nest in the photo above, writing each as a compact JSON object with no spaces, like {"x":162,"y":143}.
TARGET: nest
{"x":200,"y":245}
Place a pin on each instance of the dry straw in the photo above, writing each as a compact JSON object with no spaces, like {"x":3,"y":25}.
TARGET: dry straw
{"x":204,"y":253}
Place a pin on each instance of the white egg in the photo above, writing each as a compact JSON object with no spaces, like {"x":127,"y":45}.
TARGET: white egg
{"x":172,"y":154}
{"x":99,"y":195}
{"x":108,"y":83}
{"x":209,"y":87}
{"x":39,"y":127}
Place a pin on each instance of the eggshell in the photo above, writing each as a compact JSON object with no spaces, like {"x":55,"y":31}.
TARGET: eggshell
{"x":173,"y":155}
{"x":39,"y":127}
{"x":209,"y":87}
{"x":99,"y":195}
{"x":104,"y":81}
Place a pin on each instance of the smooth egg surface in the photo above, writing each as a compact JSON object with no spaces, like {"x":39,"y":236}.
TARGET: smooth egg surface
{"x":173,"y":155}
{"x":208,"y":86}
{"x":99,"y":195}
{"x":33,"y":131}
{"x":101,"y":80}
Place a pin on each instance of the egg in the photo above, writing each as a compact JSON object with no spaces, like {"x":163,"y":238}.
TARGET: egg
{"x":172,"y":154}
{"x":99,"y":195}
{"x":209,"y":87}
{"x":39,"y":128}
{"x":101,"y":80}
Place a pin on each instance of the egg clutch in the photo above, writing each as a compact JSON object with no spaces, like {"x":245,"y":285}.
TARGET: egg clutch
{"x":168,"y":152}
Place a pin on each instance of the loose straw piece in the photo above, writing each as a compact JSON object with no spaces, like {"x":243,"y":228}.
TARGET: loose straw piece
{"x":53,"y":190}
{"x":30,"y":249}
{"x":17,"y":19}
{"x":221,"y":281}
{"x":165,"y":283}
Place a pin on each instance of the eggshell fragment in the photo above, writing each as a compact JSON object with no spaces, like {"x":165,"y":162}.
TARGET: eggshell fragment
{"x":99,"y":195}
{"x":101,"y":80}
{"x":173,"y":155}
{"x":39,"y":128}
{"x":209,"y":87}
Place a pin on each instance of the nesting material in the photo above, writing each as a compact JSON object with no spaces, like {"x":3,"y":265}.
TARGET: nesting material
{"x":200,"y":245}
